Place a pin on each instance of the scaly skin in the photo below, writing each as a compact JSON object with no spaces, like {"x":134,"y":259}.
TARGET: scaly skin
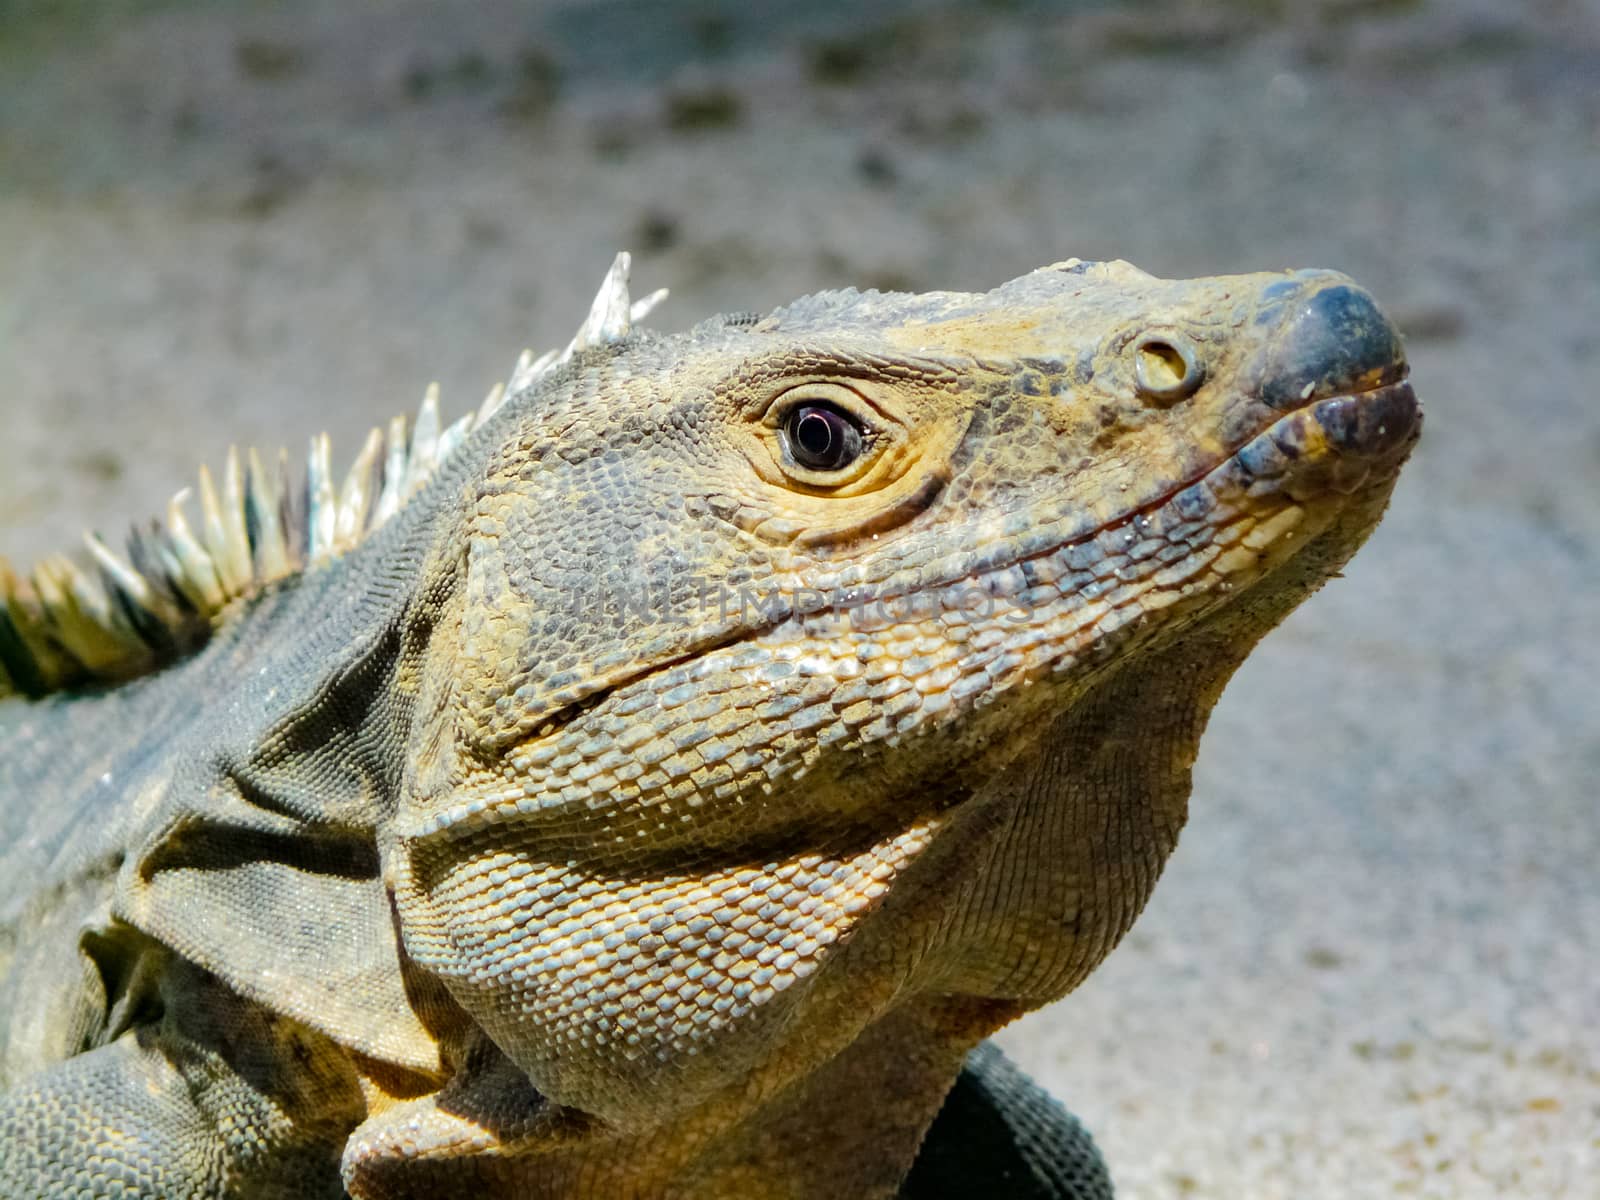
{"x":642,"y":814}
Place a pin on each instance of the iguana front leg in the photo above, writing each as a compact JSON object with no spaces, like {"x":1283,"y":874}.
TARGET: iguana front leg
{"x":172,"y":1120}
{"x":999,"y":1133}
{"x":215,"y":1098}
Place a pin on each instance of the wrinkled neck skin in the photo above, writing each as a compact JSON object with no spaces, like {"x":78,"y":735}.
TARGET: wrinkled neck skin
{"x":1031,"y":880}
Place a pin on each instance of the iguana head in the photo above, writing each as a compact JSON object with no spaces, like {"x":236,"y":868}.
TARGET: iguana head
{"x":801,"y":669}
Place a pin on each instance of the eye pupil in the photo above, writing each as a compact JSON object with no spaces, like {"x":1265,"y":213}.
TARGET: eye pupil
{"x":821,"y":438}
{"x":813,"y":434}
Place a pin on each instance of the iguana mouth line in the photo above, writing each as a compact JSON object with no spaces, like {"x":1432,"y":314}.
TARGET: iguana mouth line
{"x":1365,"y":428}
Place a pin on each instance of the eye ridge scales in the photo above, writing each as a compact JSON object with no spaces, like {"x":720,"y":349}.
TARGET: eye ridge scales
{"x":661,"y":781}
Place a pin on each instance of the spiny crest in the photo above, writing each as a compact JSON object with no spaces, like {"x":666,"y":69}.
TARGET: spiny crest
{"x":117,"y":618}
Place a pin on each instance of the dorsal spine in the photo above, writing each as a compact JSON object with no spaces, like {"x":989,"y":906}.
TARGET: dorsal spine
{"x":66,"y":624}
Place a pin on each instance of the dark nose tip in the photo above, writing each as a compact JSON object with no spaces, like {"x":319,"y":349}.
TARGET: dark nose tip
{"x":1333,"y":341}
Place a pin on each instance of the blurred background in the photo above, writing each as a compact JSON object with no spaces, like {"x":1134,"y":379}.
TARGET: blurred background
{"x":1373,"y":968}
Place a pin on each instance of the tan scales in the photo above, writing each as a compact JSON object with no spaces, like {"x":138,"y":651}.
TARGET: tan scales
{"x":659,"y":783}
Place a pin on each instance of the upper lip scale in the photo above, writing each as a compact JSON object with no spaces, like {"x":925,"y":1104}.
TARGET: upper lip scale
{"x":1391,"y":377}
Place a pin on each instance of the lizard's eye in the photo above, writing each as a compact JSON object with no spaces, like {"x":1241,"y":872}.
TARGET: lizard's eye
{"x":842,"y":456}
{"x":822,"y":436}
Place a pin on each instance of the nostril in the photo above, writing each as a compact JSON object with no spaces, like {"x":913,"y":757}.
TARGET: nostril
{"x":1166,"y":367}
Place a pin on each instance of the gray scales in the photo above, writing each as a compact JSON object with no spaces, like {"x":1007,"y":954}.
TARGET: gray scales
{"x":352,"y":846}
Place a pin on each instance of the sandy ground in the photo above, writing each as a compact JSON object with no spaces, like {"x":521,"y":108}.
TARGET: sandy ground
{"x":1373,"y":968}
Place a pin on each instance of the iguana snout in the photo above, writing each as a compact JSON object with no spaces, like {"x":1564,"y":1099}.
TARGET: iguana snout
{"x":1335,"y":366}
{"x":1330,"y":340}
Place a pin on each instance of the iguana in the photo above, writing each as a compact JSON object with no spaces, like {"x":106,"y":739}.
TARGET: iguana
{"x":658,"y":784}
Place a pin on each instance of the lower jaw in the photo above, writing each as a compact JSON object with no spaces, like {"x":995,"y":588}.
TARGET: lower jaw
{"x":1336,"y":444}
